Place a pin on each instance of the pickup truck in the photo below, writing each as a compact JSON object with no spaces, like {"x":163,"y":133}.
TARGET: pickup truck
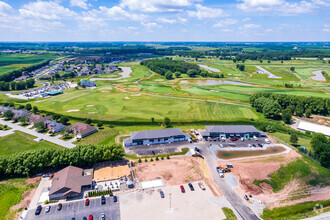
{"x":220,"y":172}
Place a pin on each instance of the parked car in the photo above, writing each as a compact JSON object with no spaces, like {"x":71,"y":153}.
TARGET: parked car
{"x":197,"y":149}
{"x":59,"y":207}
{"x":254,"y":145}
{"x":201,"y":185}
{"x":191,"y":187}
{"x":102,"y":216}
{"x":153,"y":152}
{"x":47,"y":209}
{"x":246,"y":197}
{"x":111,"y":194}
{"x":260,"y":145}
{"x":267,"y":141}
{"x":90,"y":217}
{"x":223,"y":139}
{"x":87,"y":202}
{"x":248,"y":137}
{"x":242,"y":139}
{"x":102,"y":200}
{"x":255,"y":138}
{"x":249,"y":145}
{"x":229,"y":165}
{"x":161,"y":194}
{"x":38,"y":210}
{"x":84,"y":218}
{"x":73,"y":218}
{"x":182,"y":189}
{"x":115,"y":199}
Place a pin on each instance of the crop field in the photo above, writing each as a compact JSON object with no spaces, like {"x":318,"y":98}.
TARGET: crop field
{"x":111,"y":105}
{"x":22,"y":142}
{"x":12,"y":62}
{"x":248,"y":153}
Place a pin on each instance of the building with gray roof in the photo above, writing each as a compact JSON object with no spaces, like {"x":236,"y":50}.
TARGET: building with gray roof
{"x":231,"y":131}
{"x":156,"y":137}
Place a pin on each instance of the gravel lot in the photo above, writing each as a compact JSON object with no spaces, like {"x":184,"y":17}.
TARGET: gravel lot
{"x":196,"y":204}
{"x":143,"y":150}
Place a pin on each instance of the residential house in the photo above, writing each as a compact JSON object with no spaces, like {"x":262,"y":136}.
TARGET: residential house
{"x":17,"y":113}
{"x":68,"y":183}
{"x":54,"y":126}
{"x":86,"y":83}
{"x":81,"y":130}
{"x":35,"y":119}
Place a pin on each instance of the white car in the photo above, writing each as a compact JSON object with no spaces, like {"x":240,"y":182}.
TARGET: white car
{"x":47,"y":209}
{"x":242,"y":139}
{"x":255,"y":138}
{"x":249,"y":145}
{"x":102,"y":216}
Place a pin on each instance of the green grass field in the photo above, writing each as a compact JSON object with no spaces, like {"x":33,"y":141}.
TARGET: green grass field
{"x":306,"y":72}
{"x":20,"y":141}
{"x":110,"y":105}
{"x":229,"y":213}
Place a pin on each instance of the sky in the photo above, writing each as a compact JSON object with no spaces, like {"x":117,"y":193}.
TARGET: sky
{"x":165,"y":20}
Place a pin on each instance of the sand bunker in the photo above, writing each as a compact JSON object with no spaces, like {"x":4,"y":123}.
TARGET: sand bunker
{"x":73,"y":110}
{"x":210,"y":68}
{"x":90,"y":105}
{"x":91,"y":112}
{"x":318,"y":76}
{"x":104,"y":91}
{"x":136,"y":95}
{"x":127,"y":98}
{"x":110,"y":173}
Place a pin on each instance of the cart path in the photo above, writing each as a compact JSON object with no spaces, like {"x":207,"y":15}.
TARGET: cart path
{"x":125,"y":74}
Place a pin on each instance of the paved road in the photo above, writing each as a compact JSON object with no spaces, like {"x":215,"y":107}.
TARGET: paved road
{"x":125,"y":74}
{"x":78,"y":210}
{"x":237,"y":202}
{"x":54,"y":140}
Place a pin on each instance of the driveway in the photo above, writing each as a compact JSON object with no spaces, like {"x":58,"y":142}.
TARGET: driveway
{"x":236,"y":201}
{"x":54,"y":140}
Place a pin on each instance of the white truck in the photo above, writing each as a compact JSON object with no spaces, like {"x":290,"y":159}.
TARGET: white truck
{"x":267,"y":141}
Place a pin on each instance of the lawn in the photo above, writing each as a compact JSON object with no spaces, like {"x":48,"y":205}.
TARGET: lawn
{"x":306,"y":72}
{"x":248,"y":153}
{"x":11,"y":194}
{"x":159,"y":88}
{"x":20,"y":141}
{"x":229,"y":214}
{"x":303,"y":141}
{"x":107,"y":104}
{"x":105,"y":135}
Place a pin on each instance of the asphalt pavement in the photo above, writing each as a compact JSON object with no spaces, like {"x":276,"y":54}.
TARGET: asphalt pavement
{"x":236,"y":201}
{"x":78,"y":210}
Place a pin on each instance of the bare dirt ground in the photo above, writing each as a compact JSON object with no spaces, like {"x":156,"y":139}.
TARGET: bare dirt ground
{"x":322,"y":120}
{"x":27,"y":197}
{"x":176,"y":171}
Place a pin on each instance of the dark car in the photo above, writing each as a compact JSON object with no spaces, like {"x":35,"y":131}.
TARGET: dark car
{"x":102,"y":200}
{"x":153,"y":152}
{"x":90,"y":217}
{"x":254,"y":145}
{"x":246,"y":197}
{"x":84,"y":218}
{"x":111,"y":194}
{"x":161,"y":194}
{"x":38,"y":210}
{"x":260,"y":145}
{"x":59,"y":207}
{"x":182,"y":189}
{"x":115,"y":199}
{"x":191,"y":187}
{"x":87,"y":202}
{"x":73,"y":218}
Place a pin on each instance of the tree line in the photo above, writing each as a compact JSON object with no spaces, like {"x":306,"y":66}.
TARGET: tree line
{"x":32,"y":162}
{"x":21,"y":85}
{"x":276,"y":106}
{"x":168,"y":67}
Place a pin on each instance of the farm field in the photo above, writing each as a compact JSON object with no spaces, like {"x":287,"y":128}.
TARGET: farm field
{"x":108,"y":104}
{"x":244,"y":153}
{"x":22,"y":142}
{"x":12,"y":62}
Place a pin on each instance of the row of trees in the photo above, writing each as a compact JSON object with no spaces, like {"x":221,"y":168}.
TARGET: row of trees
{"x":272,"y":105}
{"x":321,"y":147}
{"x":10,"y":76}
{"x":22,"y":85}
{"x":36,"y":161}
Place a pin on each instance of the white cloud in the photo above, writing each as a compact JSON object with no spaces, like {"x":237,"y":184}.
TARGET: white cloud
{"x":246,"y":19}
{"x":326,"y":28}
{"x":150,"y":25}
{"x":281,"y":6}
{"x":117,"y":13}
{"x":203,"y":12}
{"x":79,"y":3}
{"x":4,"y":8}
{"x":225,"y":23}
{"x":250,"y":26}
{"x":172,"y":21}
{"x":45,"y":10}
{"x":157,"y":5}
{"x":166,"y":20}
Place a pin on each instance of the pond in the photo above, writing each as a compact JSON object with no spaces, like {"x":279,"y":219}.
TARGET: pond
{"x":213,"y":82}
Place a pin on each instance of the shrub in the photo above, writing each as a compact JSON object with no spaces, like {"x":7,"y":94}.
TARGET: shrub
{"x":157,"y":158}
{"x":146,"y":160}
{"x":151,"y":159}
{"x":162,"y":158}
{"x":140,"y":161}
{"x":168,"y":157}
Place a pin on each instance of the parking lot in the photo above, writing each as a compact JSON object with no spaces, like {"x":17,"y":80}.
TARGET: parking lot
{"x":147,"y":204}
{"x":79,"y":210}
{"x":238,"y":143}
{"x":143,"y":150}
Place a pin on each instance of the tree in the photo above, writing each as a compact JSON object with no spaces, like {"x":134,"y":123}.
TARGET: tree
{"x":167,"y":122}
{"x":21,"y":107}
{"x":30,"y":83}
{"x":56,"y":117}
{"x":28,"y":107}
{"x":292,"y":69}
{"x":140,"y":161}
{"x":169,"y":75}
{"x":152,"y":120}
{"x":299,"y":111}
{"x":89,"y":121}
{"x":272,"y":110}
{"x":192,"y":73}
{"x":35,"y":109}
{"x":8,"y":115}
{"x":40,"y":126}
{"x":99,"y":124}
{"x":64,"y":120}
{"x":177,"y":74}
{"x":294,"y":139}
{"x":308,"y":113}
{"x":286,"y":116}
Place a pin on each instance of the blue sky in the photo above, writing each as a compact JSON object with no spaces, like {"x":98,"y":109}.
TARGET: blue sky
{"x":164,"y":20}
